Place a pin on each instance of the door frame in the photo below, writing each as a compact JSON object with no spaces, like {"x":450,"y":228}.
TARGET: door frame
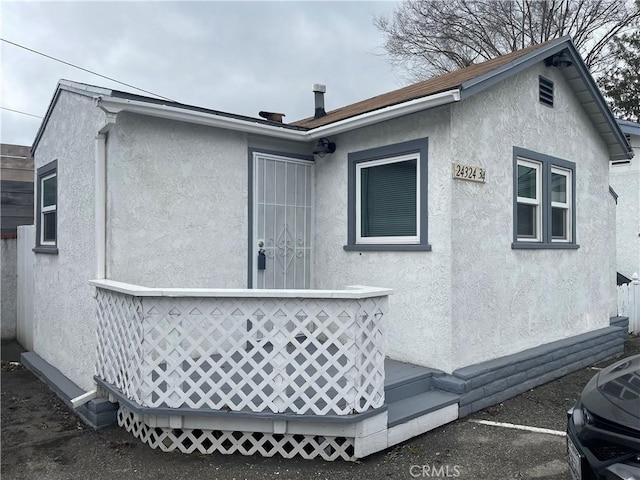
{"x":252,"y":248}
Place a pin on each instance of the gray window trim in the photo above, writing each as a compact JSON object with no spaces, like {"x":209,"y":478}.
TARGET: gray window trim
{"x":48,"y":169}
{"x":420,"y":146}
{"x":250,"y":152}
{"x":547,"y":162}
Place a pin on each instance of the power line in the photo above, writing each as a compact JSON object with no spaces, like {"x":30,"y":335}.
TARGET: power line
{"x":18,"y":111}
{"x":85,"y":70}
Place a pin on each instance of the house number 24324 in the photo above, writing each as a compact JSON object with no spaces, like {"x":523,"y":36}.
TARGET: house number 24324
{"x":466,"y":172}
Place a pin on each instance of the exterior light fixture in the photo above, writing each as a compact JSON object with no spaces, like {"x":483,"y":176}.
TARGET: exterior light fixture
{"x":560,"y":60}
{"x":323,"y":147}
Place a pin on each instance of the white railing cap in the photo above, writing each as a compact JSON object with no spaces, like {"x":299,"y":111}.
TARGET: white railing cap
{"x":353,"y":291}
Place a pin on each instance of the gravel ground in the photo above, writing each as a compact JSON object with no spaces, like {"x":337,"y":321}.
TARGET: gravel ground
{"x":42,"y":439}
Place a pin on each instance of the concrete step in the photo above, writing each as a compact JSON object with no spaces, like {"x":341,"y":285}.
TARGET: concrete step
{"x":403,"y":380}
{"x":408,"y":408}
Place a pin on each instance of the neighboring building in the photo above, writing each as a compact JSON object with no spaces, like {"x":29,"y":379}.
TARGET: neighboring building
{"x":16,"y":208}
{"x":480,"y":198}
{"x":625,"y":179}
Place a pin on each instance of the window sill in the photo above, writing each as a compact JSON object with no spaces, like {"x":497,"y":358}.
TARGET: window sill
{"x":381,"y":247}
{"x":544,"y":246}
{"x":49,"y":249}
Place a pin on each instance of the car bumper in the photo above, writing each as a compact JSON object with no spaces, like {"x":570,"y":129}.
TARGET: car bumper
{"x":584,"y":465}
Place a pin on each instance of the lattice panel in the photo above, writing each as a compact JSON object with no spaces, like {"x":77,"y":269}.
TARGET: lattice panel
{"x":120,"y":334}
{"x":228,"y":442}
{"x":306,"y":356}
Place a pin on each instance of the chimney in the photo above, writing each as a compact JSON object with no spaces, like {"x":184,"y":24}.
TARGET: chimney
{"x":318,"y":91}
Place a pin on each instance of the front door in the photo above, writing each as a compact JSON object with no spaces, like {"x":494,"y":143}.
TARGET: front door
{"x":282,"y":222}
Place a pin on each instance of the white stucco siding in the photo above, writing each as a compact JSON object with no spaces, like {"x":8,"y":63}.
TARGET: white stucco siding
{"x":625,"y":180}
{"x":177,"y":204}
{"x":279,"y":146}
{"x":506,"y":300}
{"x":64,"y":308}
{"x":418,"y":327}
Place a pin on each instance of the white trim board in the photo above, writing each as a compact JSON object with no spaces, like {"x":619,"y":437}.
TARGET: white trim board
{"x":351,"y":291}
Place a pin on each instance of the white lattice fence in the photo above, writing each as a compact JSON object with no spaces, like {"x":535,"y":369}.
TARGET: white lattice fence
{"x":299,"y":355}
{"x":629,"y":303}
{"x":120,"y":341}
{"x":189,"y":440}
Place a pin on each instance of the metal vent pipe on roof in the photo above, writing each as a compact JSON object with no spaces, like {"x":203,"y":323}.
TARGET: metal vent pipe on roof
{"x":319,"y":91}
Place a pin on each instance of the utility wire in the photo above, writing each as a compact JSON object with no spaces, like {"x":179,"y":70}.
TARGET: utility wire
{"x":85,"y":70}
{"x":18,"y":111}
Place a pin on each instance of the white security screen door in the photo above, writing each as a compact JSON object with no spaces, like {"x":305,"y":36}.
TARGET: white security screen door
{"x":282,"y":222}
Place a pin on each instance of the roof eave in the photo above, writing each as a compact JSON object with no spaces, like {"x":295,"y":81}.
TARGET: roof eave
{"x":624,"y":150}
{"x":116,"y":105}
{"x":490,"y":78}
{"x":386,"y":113}
{"x":629,"y":127}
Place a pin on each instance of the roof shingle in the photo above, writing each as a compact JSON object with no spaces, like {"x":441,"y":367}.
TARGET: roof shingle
{"x":431,"y":86}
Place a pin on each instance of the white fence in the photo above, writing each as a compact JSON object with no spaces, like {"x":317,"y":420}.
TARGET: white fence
{"x":24,"y":307}
{"x":629,"y":303}
{"x":314,"y":352}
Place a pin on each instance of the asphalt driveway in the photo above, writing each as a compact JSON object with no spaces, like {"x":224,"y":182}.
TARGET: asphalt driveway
{"x":42,"y":439}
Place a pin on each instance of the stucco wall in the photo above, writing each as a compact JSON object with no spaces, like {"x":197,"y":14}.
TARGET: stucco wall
{"x":507,"y":300}
{"x":277,"y":145}
{"x":8,"y":262}
{"x":64,"y":308}
{"x":625,"y":180}
{"x":418,"y":327}
{"x":177,"y":204}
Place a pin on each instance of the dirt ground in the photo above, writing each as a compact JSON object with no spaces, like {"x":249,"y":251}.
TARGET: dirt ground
{"x":42,"y":439}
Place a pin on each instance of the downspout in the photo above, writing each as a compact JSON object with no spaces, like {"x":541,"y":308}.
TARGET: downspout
{"x":101,"y":196}
{"x":100,"y":144}
{"x":101,"y":204}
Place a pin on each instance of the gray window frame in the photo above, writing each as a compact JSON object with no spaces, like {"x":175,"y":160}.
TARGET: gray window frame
{"x":47,"y":170}
{"x":546,"y":162}
{"x":419,"y":146}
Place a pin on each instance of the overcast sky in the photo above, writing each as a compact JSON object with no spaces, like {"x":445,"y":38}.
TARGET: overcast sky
{"x":239,"y":57}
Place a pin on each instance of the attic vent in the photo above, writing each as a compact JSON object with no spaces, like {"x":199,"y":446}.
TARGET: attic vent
{"x":546,"y":92}
{"x":628,"y":137}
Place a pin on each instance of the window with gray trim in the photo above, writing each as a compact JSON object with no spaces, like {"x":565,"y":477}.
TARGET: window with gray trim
{"x":47,"y":209}
{"x":388,"y":198}
{"x":544,"y":201}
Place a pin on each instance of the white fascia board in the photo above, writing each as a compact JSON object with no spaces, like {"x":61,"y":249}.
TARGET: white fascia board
{"x":116,"y":105}
{"x":82,"y":89}
{"x":386,"y":113}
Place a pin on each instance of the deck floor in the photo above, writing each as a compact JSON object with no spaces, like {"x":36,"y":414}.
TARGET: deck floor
{"x":397,"y":372}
